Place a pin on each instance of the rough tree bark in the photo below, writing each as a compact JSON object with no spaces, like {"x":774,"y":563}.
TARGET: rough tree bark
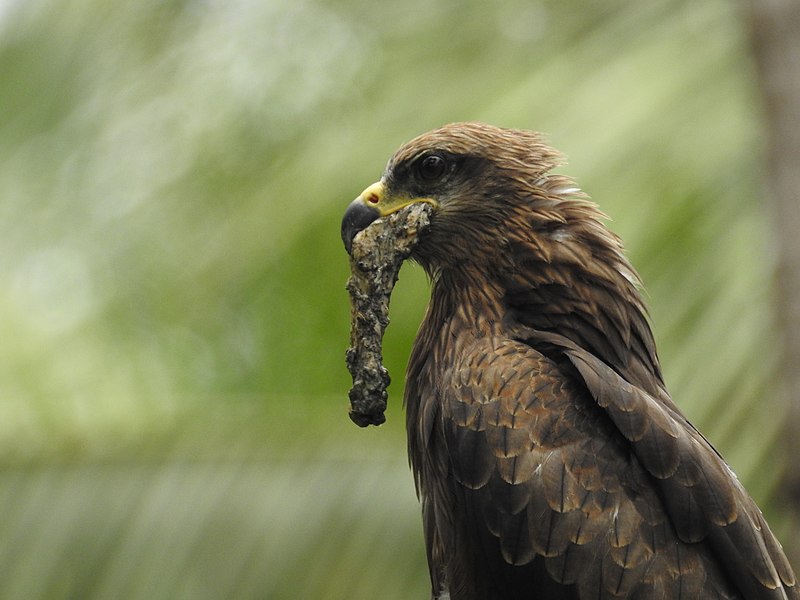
{"x":376,"y":256}
{"x":775,"y":32}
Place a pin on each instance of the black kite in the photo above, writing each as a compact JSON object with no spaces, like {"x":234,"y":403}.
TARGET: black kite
{"x":549,"y":458}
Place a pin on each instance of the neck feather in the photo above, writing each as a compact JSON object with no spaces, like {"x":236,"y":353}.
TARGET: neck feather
{"x":566,"y":274}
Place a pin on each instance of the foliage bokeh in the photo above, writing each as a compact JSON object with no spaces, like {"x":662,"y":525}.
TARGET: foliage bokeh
{"x":172,"y":387}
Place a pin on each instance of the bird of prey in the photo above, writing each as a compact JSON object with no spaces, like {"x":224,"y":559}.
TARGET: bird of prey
{"x":549,"y":458}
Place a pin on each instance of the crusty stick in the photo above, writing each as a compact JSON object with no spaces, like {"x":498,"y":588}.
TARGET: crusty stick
{"x":377,"y":254}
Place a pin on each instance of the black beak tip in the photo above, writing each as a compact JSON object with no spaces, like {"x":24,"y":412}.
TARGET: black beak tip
{"x":356,"y":218}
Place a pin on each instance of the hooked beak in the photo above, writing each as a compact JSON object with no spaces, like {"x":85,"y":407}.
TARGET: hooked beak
{"x":370,"y":205}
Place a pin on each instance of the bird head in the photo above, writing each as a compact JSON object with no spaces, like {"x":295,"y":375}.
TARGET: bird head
{"x":473,"y":174}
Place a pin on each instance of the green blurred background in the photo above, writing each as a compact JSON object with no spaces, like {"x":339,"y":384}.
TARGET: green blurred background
{"x":173,"y":320}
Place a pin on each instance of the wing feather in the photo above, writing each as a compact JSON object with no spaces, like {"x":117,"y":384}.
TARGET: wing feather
{"x":702,"y":496}
{"x":476,"y":463}
{"x":607,"y":487}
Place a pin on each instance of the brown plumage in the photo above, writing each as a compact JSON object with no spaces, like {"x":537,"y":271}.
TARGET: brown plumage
{"x":549,"y":458}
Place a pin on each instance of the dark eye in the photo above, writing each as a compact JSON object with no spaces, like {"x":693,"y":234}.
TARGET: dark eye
{"x":431,"y":167}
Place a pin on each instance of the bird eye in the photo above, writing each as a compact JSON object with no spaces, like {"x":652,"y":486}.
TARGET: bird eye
{"x":431,"y":167}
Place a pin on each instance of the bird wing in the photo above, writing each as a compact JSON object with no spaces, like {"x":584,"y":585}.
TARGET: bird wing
{"x":562,"y":466}
{"x":702,"y":496}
